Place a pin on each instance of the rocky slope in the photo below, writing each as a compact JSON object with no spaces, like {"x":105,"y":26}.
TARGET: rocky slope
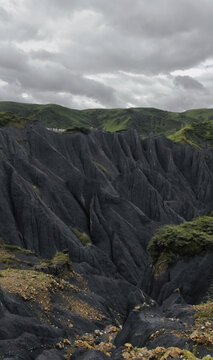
{"x":99,"y":198}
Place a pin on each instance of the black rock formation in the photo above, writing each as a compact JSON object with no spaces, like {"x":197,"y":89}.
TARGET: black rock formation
{"x":114,"y":190}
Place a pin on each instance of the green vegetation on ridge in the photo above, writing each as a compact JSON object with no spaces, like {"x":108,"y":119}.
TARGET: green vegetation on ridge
{"x":187,"y":239}
{"x":196,"y":134}
{"x":9,"y":119}
{"x":193,"y":127}
{"x":144,"y":120}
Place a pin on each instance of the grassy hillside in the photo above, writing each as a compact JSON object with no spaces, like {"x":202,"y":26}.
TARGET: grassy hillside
{"x":144,"y":120}
{"x":50,"y":115}
{"x":196,"y":134}
{"x":198,"y":115}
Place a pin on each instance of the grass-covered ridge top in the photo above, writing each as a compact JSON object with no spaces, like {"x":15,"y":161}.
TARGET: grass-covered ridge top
{"x":196,"y":134}
{"x":144,"y":120}
{"x":10,"y":119}
{"x":187,"y":239}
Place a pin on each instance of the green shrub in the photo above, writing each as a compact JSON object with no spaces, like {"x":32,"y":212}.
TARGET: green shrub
{"x":186,"y":239}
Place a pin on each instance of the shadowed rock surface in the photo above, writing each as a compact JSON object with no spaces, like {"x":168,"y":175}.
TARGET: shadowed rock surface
{"x":102,"y":197}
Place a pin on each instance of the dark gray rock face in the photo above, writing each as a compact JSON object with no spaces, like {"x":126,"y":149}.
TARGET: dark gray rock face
{"x":192,"y":276}
{"x":146,"y":320}
{"x":117,"y":189}
{"x":20,"y":331}
{"x":90,"y":355}
{"x":151,"y":325}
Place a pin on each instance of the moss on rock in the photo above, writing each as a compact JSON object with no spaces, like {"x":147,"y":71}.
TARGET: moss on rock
{"x":187,"y":239}
{"x":83,"y":237}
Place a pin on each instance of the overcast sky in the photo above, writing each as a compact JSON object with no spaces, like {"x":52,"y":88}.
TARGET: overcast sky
{"x":99,"y":53}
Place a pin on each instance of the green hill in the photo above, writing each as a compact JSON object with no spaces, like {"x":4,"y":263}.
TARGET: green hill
{"x":144,"y":120}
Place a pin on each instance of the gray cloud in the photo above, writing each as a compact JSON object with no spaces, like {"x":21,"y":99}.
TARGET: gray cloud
{"x":86,"y":53}
{"x":13,"y":58}
{"x":42,"y":55}
{"x":4,"y":16}
{"x":187,"y":82}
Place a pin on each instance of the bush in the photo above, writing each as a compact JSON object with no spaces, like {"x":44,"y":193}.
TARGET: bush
{"x":187,"y":239}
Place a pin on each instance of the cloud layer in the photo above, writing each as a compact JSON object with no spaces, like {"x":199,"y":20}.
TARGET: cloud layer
{"x":94,"y":53}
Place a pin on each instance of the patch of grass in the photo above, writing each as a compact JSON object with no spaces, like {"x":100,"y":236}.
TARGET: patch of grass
{"x":83,"y":309}
{"x":36,"y":190}
{"x":196,"y":134}
{"x":204,"y":312}
{"x":187,"y":239}
{"x":6,"y":259}
{"x":17,"y":248}
{"x":37,"y":286}
{"x":188,"y":355}
{"x":183,"y":137}
{"x":100,"y":166}
{"x":9,"y":255}
{"x":30,"y":285}
{"x":201,"y":332}
{"x":83,"y":237}
{"x":198,"y":115}
{"x":60,"y":257}
{"x":58,"y":264}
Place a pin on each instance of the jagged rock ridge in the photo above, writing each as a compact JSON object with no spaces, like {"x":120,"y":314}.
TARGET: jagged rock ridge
{"x":115,"y":189}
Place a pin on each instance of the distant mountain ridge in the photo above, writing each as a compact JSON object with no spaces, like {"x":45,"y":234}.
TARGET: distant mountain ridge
{"x":144,"y":120}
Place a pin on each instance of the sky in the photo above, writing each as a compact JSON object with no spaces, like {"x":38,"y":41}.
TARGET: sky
{"x":106,"y":54}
